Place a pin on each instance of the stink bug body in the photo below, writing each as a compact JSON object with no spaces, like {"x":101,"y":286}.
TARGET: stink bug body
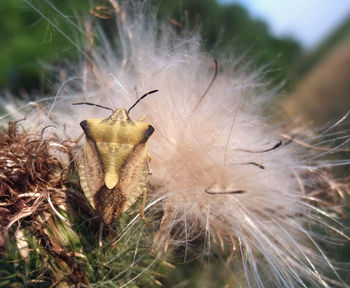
{"x":114,"y":167}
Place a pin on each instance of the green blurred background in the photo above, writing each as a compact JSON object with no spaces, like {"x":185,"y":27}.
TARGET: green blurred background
{"x":316,"y":81}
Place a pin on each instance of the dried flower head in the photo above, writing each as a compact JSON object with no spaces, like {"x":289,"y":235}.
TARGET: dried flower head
{"x":32,"y":190}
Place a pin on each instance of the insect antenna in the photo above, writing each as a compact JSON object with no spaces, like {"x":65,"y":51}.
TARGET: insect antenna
{"x":143,"y":96}
{"x":92,"y":104}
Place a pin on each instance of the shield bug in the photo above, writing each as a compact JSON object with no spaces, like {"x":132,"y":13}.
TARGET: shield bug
{"x":114,"y":166}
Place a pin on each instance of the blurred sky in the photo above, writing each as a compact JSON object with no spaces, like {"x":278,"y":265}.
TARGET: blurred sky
{"x":309,"y":21}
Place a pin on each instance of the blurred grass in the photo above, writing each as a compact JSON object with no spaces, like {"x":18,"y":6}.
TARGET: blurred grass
{"x":323,"y":94}
{"x":29,"y":42}
{"x":322,"y":91}
{"x":312,"y":58}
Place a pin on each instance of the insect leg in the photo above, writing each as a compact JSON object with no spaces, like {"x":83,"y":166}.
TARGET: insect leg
{"x":78,"y":139}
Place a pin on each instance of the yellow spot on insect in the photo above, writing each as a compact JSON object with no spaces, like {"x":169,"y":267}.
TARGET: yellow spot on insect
{"x":111,"y":179}
{"x":114,"y":166}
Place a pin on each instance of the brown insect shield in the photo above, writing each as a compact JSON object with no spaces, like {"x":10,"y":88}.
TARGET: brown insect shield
{"x":114,"y":167}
